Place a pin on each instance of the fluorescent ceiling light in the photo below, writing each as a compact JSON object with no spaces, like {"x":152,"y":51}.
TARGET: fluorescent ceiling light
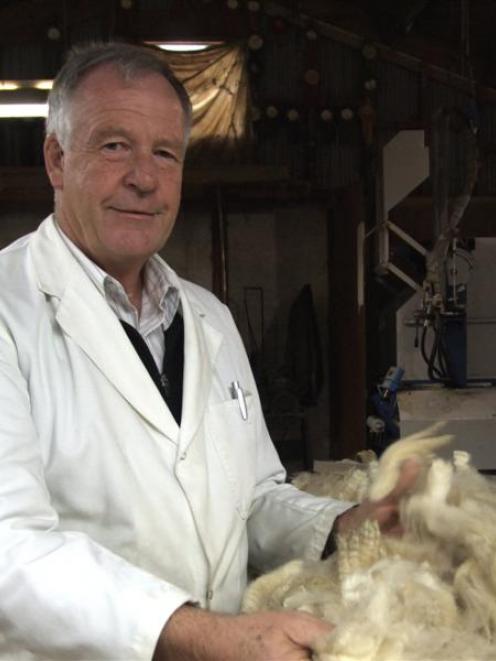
{"x":182,"y":47}
{"x":43,"y":84}
{"x":8,"y":85}
{"x":24,"y":98}
{"x":23,"y":110}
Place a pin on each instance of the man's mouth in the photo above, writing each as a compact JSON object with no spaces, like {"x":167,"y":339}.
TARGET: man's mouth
{"x":135,"y":212}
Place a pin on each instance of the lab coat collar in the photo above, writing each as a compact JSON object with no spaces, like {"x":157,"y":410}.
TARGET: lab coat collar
{"x":84,"y":315}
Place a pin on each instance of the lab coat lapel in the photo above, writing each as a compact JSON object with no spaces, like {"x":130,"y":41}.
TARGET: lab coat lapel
{"x":201,"y":344}
{"x":85,"y":317}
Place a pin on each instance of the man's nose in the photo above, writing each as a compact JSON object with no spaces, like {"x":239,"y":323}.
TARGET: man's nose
{"x":142,"y":173}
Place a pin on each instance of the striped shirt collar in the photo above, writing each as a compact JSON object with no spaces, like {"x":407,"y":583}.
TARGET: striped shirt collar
{"x":160,"y":300}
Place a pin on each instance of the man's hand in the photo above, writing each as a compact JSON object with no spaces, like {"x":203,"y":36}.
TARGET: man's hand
{"x":384,"y":511}
{"x":192,"y":634}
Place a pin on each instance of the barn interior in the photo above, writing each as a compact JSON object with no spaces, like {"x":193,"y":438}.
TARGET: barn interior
{"x":339,"y":196}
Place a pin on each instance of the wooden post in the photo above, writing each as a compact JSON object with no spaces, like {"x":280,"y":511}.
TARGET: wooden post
{"x":347,"y":383}
{"x":219,"y":248}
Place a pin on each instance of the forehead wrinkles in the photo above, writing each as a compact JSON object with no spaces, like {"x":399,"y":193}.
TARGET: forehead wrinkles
{"x":126,"y":105}
{"x":132,"y":124}
{"x":106,"y":94}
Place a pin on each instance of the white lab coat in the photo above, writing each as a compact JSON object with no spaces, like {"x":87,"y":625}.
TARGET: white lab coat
{"x":111,"y":516}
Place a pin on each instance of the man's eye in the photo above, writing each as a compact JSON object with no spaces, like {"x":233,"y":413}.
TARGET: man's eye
{"x":163,"y":153}
{"x":114,"y":146}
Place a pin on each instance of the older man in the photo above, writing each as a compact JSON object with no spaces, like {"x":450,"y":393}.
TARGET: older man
{"x":131,"y":505}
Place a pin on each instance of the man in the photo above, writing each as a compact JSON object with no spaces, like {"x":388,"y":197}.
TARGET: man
{"x":126,"y":522}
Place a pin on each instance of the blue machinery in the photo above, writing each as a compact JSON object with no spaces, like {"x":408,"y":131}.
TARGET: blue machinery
{"x":383,"y":424}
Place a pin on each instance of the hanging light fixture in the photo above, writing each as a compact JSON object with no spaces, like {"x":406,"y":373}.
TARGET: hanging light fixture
{"x":184,"y":46}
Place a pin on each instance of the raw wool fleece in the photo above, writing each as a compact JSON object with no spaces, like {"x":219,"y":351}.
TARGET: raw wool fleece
{"x":342,"y":480}
{"x":430,"y":595}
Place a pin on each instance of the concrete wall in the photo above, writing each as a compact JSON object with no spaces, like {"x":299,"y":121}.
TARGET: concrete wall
{"x":280,"y":253}
{"x":188,"y":250}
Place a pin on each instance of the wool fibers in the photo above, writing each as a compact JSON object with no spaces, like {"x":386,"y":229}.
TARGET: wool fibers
{"x":429,"y":595}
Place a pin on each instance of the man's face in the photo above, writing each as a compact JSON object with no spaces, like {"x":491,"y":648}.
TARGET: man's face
{"x":118,"y":180}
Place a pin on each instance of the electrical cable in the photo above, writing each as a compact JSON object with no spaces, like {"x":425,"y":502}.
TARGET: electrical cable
{"x":436,"y":359}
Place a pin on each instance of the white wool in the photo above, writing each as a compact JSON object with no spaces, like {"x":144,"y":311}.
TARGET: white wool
{"x":430,"y":595}
{"x":342,"y":480}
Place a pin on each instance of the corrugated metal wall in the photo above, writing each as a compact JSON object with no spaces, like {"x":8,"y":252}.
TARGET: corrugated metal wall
{"x":327,"y":154}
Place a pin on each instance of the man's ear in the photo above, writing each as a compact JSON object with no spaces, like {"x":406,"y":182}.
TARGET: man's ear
{"x":54,"y":161}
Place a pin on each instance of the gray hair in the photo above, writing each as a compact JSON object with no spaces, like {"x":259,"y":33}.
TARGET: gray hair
{"x":130,"y":60}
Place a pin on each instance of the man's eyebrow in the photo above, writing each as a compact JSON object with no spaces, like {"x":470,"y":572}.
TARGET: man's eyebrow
{"x":168,"y":143}
{"x":109,"y":132}
{"x":119,"y":132}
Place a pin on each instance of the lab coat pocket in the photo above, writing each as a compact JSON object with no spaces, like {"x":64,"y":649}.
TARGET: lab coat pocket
{"x":235,"y":442}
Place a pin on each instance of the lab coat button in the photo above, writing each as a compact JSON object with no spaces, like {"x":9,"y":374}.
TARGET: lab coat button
{"x":183,"y":456}
{"x":210,"y":594}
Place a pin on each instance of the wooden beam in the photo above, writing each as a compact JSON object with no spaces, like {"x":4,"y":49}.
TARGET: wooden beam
{"x":256,"y":187}
{"x":416,"y":216}
{"x":24,"y":184}
{"x":29,"y":186}
{"x":236,"y":174}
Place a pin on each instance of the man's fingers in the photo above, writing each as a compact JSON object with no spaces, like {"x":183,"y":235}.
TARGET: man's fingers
{"x":308,"y":629}
{"x":409,"y":473}
{"x":384,"y":511}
